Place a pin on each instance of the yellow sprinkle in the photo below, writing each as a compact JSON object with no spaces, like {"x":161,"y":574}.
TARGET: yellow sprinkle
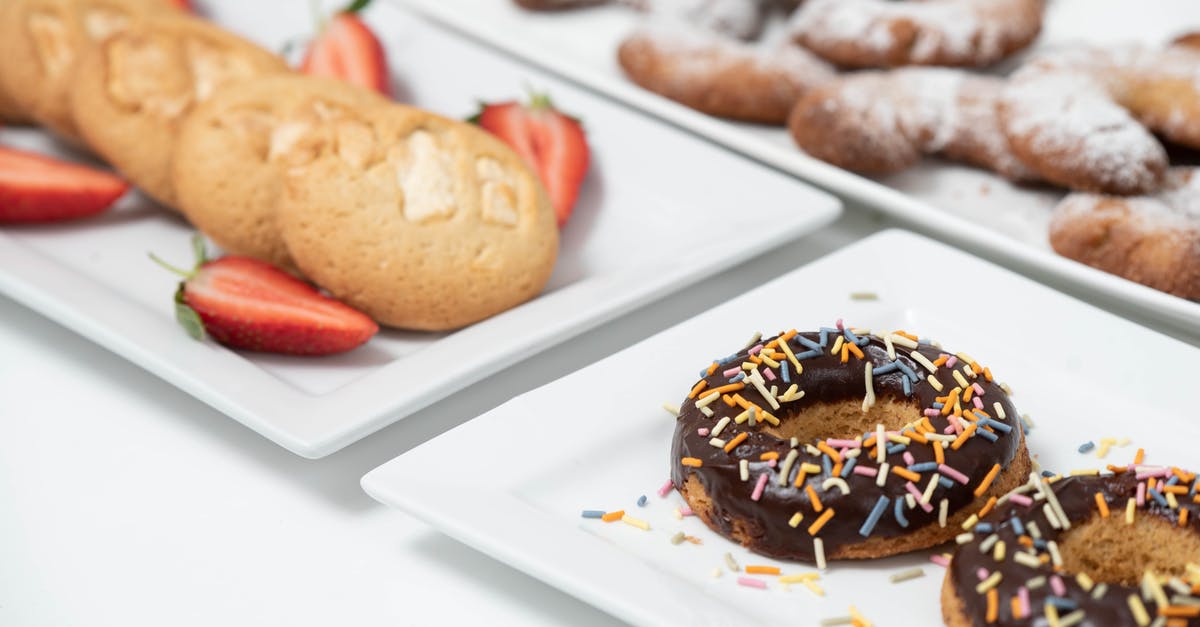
{"x":961,"y":379}
{"x":991,"y":582}
{"x":1150,"y":583}
{"x":1171,"y":500}
{"x":795,"y":520}
{"x":1085,"y":472}
{"x":970,"y":523}
{"x":1140,"y":615}
{"x":801,"y":578}
{"x":837,"y":345}
{"x":859,"y":619}
{"x":1085,"y":582}
{"x":810,"y":468}
{"x":998,"y":551}
{"x":812,"y":586}
{"x":636,"y":522}
{"x":937,"y":385}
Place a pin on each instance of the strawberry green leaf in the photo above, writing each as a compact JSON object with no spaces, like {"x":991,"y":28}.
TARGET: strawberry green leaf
{"x":355,"y":6}
{"x":198,"y":249}
{"x":187,"y":317}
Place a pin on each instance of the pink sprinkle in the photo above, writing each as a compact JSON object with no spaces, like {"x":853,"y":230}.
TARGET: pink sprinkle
{"x":839,"y":325}
{"x":1023,"y":600}
{"x":772,"y":463}
{"x":982,"y":573}
{"x":750,"y":582}
{"x":908,"y":458}
{"x":770,"y":375}
{"x":703,"y":432}
{"x":666,"y":488}
{"x":732,"y":372}
{"x":951,"y":361}
{"x":1141,"y":494}
{"x":1020,"y":499}
{"x":842,"y":451}
{"x":912,"y":489}
{"x":956,"y":424}
{"x":978,"y":388}
{"x":949,"y":428}
{"x":1146,"y":473}
{"x":932,"y":413}
{"x":940,"y":560}
{"x":953,"y":474}
{"x":758,"y":487}
{"x":978,"y":403}
{"x":686,"y":511}
{"x":1056,"y":584}
{"x":757,"y":347}
{"x":865,"y":471}
{"x":835,"y":443}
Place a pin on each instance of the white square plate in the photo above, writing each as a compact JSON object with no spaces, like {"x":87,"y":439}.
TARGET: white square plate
{"x":978,"y":209}
{"x":512,"y":482}
{"x":660,"y":209}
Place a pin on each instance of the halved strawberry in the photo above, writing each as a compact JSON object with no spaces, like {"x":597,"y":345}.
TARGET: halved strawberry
{"x":553,"y":143}
{"x":34,"y":188}
{"x":182,"y":5}
{"x":250,"y":304}
{"x":346,"y":49}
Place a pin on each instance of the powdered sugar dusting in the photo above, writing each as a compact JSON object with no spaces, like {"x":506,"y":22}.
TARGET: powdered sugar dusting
{"x":739,"y":18}
{"x":1176,"y":207}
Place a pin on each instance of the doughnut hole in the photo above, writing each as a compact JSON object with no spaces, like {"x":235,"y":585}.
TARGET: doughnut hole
{"x":1110,"y":551}
{"x":843,"y":420}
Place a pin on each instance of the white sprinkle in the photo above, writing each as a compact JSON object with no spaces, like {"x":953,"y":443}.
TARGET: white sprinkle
{"x":924,"y":361}
{"x":819,"y":551}
{"x":744,"y":469}
{"x":928,"y":494}
{"x":707,"y":412}
{"x":964,"y":538}
{"x":910,"y":501}
{"x":731,"y":563}
{"x":753,"y":340}
{"x":891,"y":349}
{"x":880,"y":448}
{"x":717,"y":443}
{"x":905,"y":575}
{"x":671,"y":408}
{"x":988,"y":543}
{"x":1055,"y":556}
{"x":999,"y":410}
{"x":869,"y":400}
{"x":1026,"y":559}
{"x":721,"y":424}
{"x":903,"y":341}
{"x":716,"y":573}
{"x":705,"y":400}
{"x":881,"y":478}
{"x":838,"y":482}
{"x":943,"y":511}
{"x":785,"y":469}
{"x":1051,"y":517}
{"x":1034,"y":531}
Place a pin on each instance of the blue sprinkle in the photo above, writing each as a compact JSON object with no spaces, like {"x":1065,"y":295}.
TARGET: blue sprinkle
{"x":924,"y":342}
{"x":1086,"y":446}
{"x":924,"y":467}
{"x":945,"y":482}
{"x":827,"y":464}
{"x":884,"y":369}
{"x":593,"y":513}
{"x":899,"y":511}
{"x":807,"y":355}
{"x":987,"y":435}
{"x":824,"y":337}
{"x":1158,"y":497}
{"x":873,"y":518}
{"x":1047,"y":473}
{"x":999,"y":426}
{"x":738,"y":377}
{"x":642,"y":501}
{"x":1039,"y":544}
{"x":1173,"y":480}
{"x":983,"y":528}
{"x":1062,"y":604}
{"x":896,"y":448}
{"x":907,"y":386}
{"x":907,"y":371}
{"x":850,"y":336}
{"x":783,"y":372}
{"x":937,"y":405}
{"x":863,"y":341}
{"x":848,"y":466}
{"x":809,"y":344}
{"x":704,"y":373}
{"x":1017,"y":525}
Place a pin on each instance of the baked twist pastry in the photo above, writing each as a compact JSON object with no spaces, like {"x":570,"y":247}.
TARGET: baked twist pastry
{"x":882,"y":122}
{"x":227,"y":166}
{"x":1087,"y":550}
{"x":718,"y":75}
{"x":881,"y":33}
{"x":1153,"y":240}
{"x":843,"y":445}
{"x":133,"y":91}
{"x":419,"y":221}
{"x":1083,"y":118}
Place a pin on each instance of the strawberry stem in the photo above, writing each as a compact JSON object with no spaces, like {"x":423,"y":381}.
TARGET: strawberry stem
{"x":318,"y":16}
{"x":170,"y":268}
{"x":355,"y":6}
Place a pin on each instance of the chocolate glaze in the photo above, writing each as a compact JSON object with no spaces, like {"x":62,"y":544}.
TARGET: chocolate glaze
{"x":825,"y":379}
{"x":1077,"y":497}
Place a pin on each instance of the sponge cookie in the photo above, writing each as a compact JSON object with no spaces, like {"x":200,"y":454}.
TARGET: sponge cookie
{"x":40,"y":44}
{"x":419,"y":221}
{"x":133,"y":91}
{"x":226,"y":167}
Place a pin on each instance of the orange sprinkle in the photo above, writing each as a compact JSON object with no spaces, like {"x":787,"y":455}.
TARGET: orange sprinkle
{"x":713,"y":368}
{"x":906,"y":473}
{"x":1025,"y":541}
{"x":907,"y":335}
{"x":975,"y":368}
{"x":987,"y":374}
{"x":869,"y":442}
{"x":1015,"y":606}
{"x":845,"y":353}
{"x":778,"y":356}
{"x":987,"y":507}
{"x":737,"y":439}
{"x":1141,"y":454}
{"x":940,"y":361}
{"x":962,"y":437}
{"x":754,"y":359}
{"x":939,"y":454}
{"x":1183,"y":516}
{"x":696,"y":388}
{"x":828,"y":450}
{"x":1176,"y":489}
{"x":693,"y":462}
{"x":728,"y":400}
{"x":813,"y":498}
{"x":966,"y":397}
{"x":762,"y":570}
{"x":951,"y":400}
{"x":993,"y":606}
{"x":854,"y":349}
{"x":799,"y":477}
{"x":745,"y":404}
{"x":1177,"y":622}
{"x":1116,"y":470}
{"x":1180,"y":611}
{"x":820,"y":522}
{"x":611,"y":516}
{"x":768,"y":455}
{"x":729,"y":387}
{"x":836,"y":471}
{"x":1101,"y":505}
{"x":789,"y":335}
{"x":1186,"y":477}
{"x":918,"y":437}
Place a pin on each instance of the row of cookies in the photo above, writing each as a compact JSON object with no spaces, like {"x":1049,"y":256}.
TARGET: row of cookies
{"x":420,"y":221}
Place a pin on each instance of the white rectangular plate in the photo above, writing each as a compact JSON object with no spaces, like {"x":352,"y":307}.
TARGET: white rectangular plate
{"x":659,"y":210}
{"x":979,"y":210}
{"x":512,"y":482}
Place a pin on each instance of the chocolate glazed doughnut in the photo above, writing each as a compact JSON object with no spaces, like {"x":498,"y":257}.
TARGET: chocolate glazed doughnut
{"x":1127,"y":553}
{"x":776,"y":446}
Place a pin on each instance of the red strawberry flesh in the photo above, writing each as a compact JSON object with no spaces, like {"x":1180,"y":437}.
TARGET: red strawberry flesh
{"x":34,"y":188}
{"x":347,"y":50}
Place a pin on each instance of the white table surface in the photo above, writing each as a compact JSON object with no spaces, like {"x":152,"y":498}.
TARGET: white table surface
{"x":123,"y":501}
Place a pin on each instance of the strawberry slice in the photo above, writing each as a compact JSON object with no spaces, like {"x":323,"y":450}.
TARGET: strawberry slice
{"x":553,"y":143}
{"x":182,"y":5}
{"x":249,"y":304}
{"x":346,"y":49}
{"x":34,"y":188}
